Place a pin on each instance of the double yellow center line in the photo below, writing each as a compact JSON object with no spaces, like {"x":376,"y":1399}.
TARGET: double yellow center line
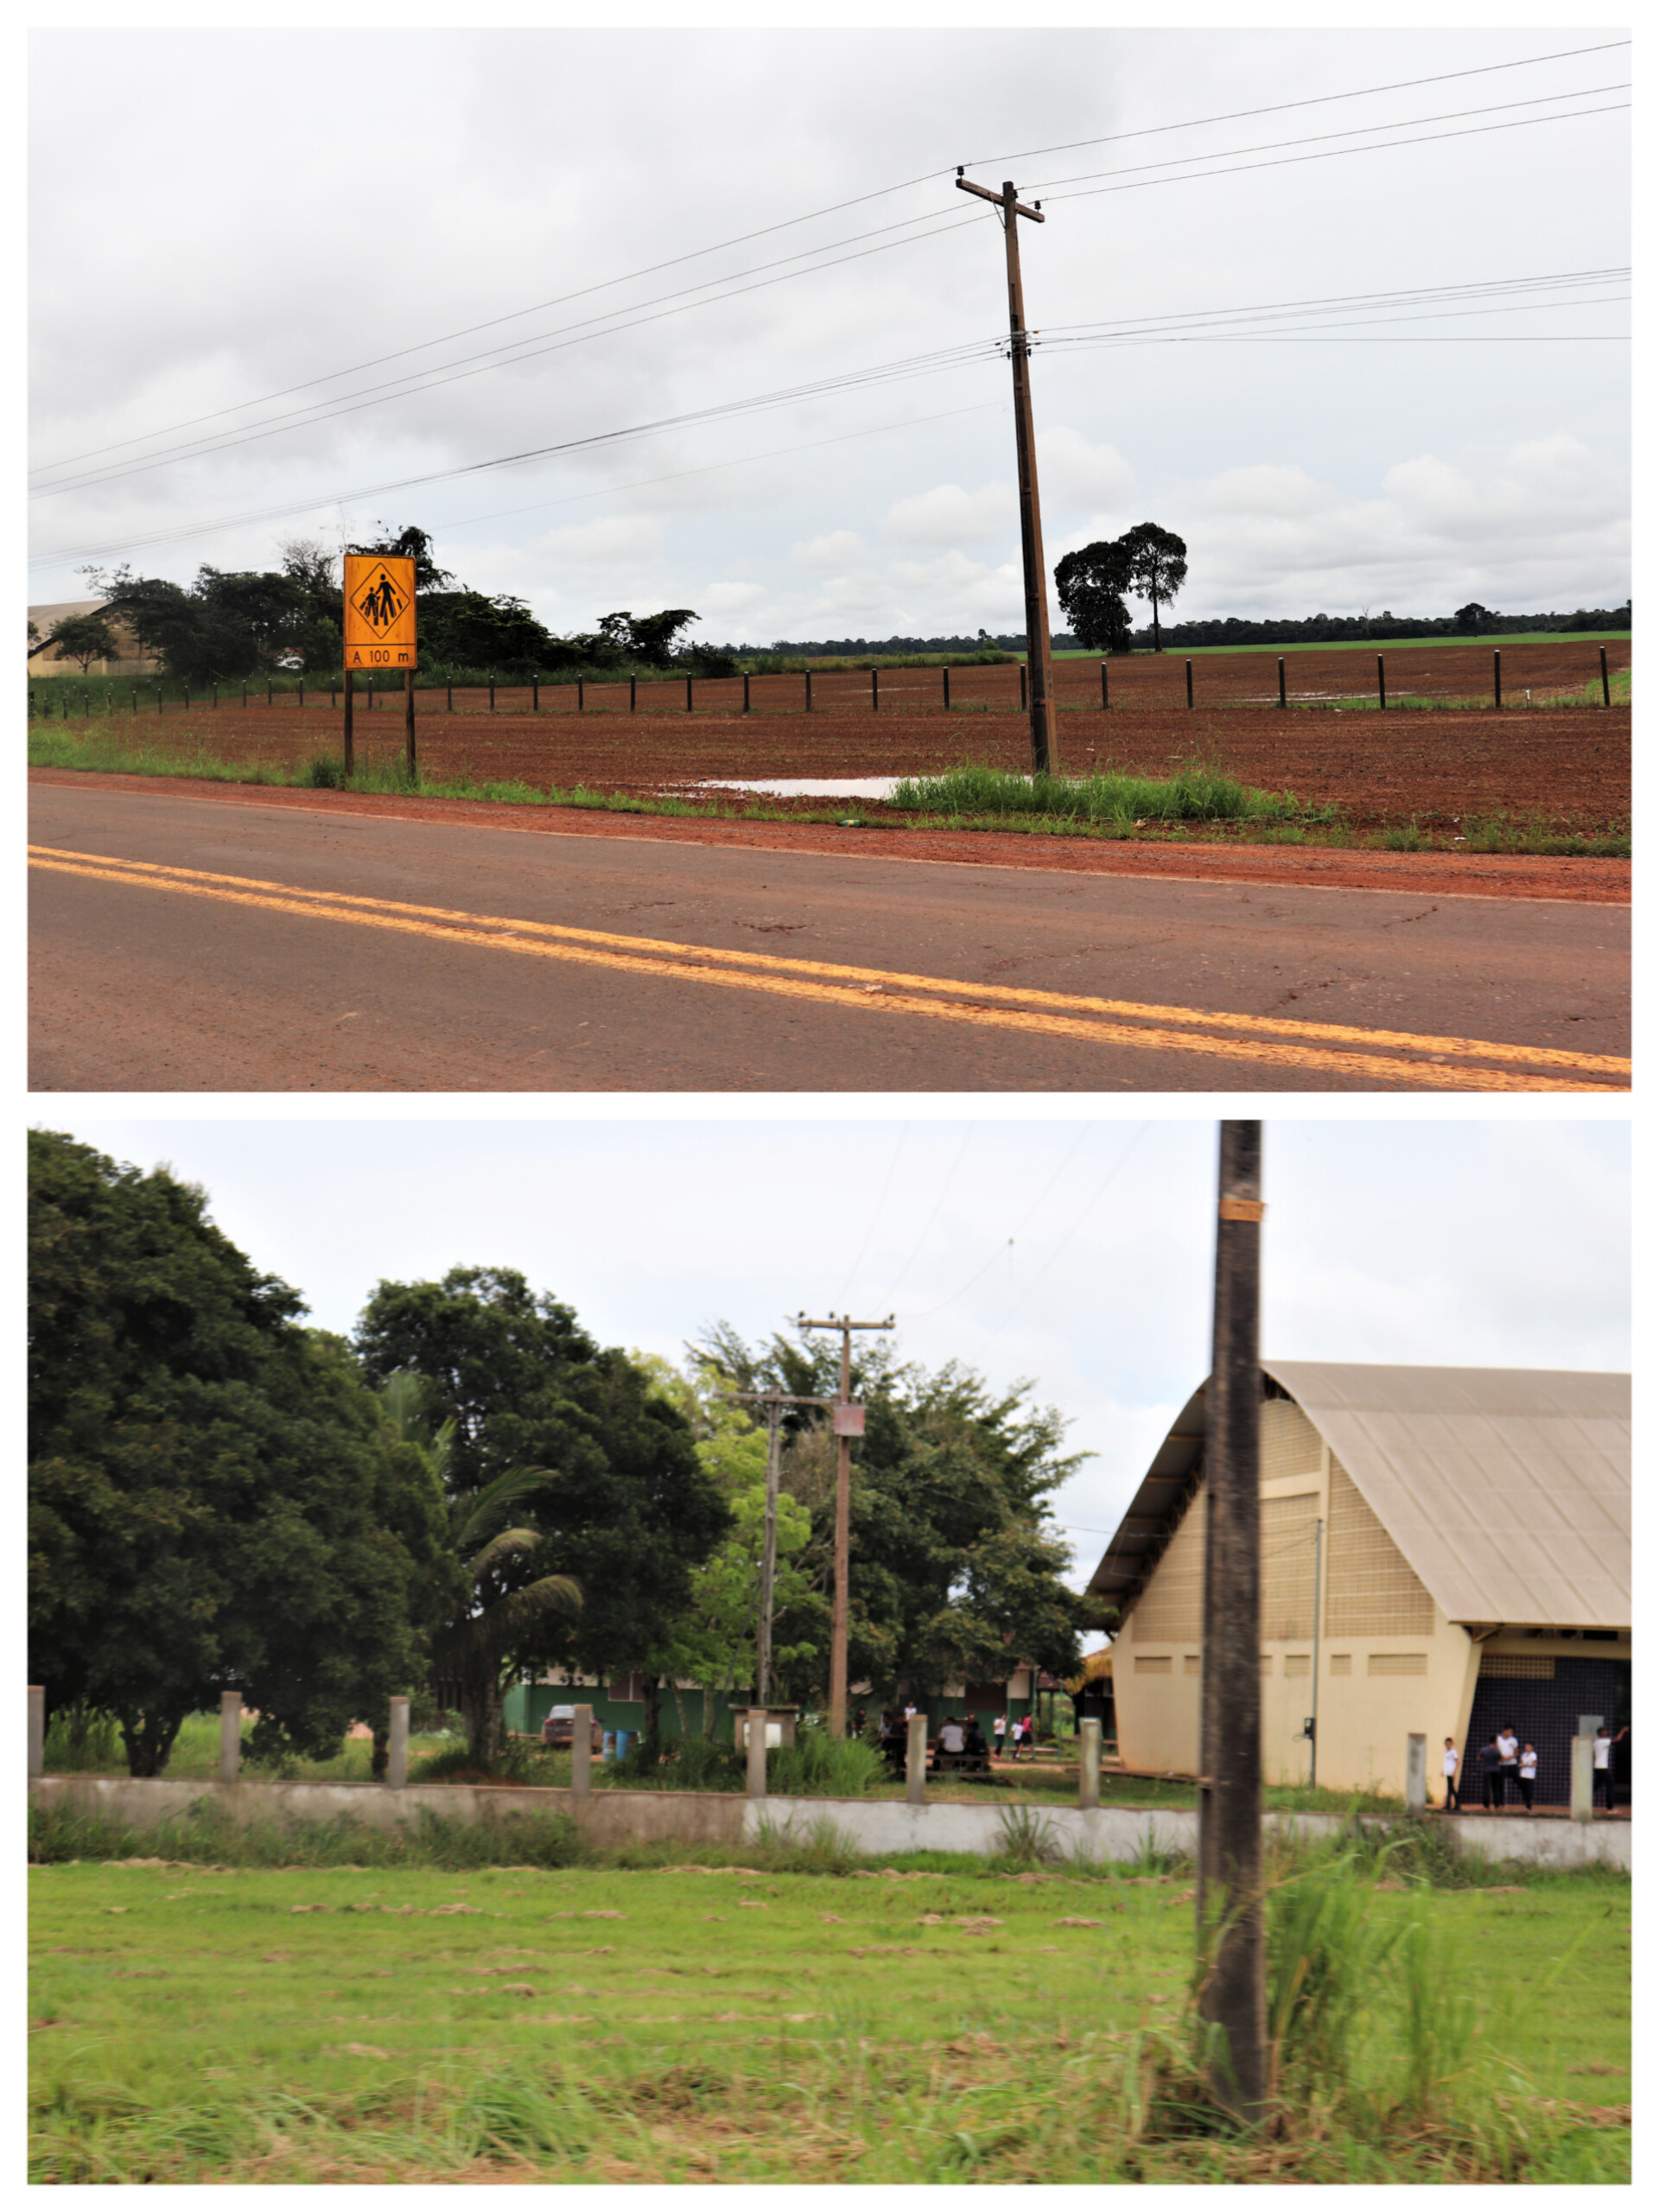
{"x":1381,"y":1056}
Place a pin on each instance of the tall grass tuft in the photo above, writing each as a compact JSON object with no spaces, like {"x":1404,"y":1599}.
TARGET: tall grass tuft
{"x":1199,"y":793}
{"x":818,"y":1764}
{"x":1028,"y":1838}
{"x":1326,"y":1953}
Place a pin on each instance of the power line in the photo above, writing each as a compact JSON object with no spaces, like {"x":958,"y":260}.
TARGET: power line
{"x":1184,"y":325}
{"x":683,"y":302}
{"x":1338,"y":153}
{"x":817,"y":214}
{"x":1320,"y":100}
{"x":1362,"y":130}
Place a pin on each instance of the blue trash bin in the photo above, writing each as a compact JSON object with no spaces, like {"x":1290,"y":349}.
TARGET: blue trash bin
{"x":624,"y":1737}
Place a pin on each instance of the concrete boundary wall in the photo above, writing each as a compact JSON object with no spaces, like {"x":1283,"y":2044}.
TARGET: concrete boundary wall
{"x":609,"y":1818}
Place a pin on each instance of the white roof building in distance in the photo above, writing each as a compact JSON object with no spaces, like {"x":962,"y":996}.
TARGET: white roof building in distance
{"x":1444,"y":1551}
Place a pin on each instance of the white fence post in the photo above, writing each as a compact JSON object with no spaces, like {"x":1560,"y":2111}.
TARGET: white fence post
{"x":1416,"y":1775}
{"x":582,"y":1751}
{"x":230,"y":1734}
{"x":37,"y":1731}
{"x":398,"y":1744}
{"x":1584,"y":1776}
{"x":757,"y":1741}
{"x":916,"y":1761}
{"x":1089,"y":1769}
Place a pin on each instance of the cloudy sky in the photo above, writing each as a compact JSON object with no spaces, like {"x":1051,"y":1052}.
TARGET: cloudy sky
{"x":1077,"y":1254}
{"x":237,"y":229}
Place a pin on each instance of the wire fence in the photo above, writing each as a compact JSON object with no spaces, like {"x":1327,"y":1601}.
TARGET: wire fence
{"x":1548,"y":672}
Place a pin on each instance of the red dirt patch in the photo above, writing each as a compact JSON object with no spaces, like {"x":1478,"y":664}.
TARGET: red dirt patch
{"x":1564,"y":770}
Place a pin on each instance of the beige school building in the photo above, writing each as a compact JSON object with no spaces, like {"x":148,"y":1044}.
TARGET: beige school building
{"x":1444,"y":1550}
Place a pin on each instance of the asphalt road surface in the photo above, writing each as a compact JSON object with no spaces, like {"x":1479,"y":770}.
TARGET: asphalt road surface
{"x":181,"y":944}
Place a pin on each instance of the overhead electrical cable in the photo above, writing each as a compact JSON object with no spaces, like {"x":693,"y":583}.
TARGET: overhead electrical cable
{"x":1231,"y":325}
{"x":1051,"y":185}
{"x":1316,"y":100}
{"x":674,"y":303}
{"x":817,"y":214}
{"x":1338,"y":153}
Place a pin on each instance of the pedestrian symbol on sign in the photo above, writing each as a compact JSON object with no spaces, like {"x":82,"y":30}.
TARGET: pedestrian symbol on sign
{"x":381,"y":603}
{"x":379,"y":611}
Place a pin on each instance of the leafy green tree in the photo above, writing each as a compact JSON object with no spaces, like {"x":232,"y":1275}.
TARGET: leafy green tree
{"x":212,"y":1502}
{"x":1157,"y":568}
{"x":84,"y":638}
{"x":1091,"y":582}
{"x":652,"y":638}
{"x":1473,"y":618}
{"x":956,"y":1573}
{"x":472,"y":1643}
{"x":628,"y":1511}
{"x":465,"y":629}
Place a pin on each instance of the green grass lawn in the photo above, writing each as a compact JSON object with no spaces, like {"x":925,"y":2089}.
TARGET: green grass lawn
{"x":192,"y":2024}
{"x":1371,"y":645}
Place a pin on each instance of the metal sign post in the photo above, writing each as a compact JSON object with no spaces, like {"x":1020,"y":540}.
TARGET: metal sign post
{"x":379,"y":627}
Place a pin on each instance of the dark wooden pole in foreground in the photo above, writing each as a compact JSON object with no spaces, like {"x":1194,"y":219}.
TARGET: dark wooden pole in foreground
{"x":1045,"y":750}
{"x":1230,"y":1744}
{"x":408,"y":722}
{"x":348,"y":721}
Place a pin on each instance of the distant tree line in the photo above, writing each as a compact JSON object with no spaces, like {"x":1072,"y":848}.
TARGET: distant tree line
{"x":1470,"y":621}
{"x":230,"y":624}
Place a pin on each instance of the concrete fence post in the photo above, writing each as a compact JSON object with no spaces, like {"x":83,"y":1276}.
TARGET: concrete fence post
{"x":582,"y":1751}
{"x":230,"y":1734}
{"x":1416,"y":1776}
{"x":398,"y":1744}
{"x":916,"y":1761}
{"x":37,"y":1731}
{"x":1088,"y":1770}
{"x":1584,"y":1776}
{"x":756,"y":1744}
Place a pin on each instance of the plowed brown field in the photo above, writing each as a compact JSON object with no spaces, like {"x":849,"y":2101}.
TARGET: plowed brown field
{"x":1567,"y":769}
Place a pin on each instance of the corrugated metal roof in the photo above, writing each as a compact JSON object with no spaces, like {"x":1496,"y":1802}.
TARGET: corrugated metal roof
{"x":1507,"y":1490}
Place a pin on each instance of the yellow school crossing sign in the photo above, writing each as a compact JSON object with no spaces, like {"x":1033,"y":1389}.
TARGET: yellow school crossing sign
{"x":379,"y":611}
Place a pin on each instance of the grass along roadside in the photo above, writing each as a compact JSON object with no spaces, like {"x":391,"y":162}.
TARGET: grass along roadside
{"x":1266,"y":818}
{"x":925,"y":2023}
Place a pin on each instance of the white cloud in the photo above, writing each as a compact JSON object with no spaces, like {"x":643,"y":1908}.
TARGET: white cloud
{"x":1511,"y":528}
{"x":950,"y":516}
{"x":1075,"y":474}
{"x":838,"y":549}
{"x":729,"y":598}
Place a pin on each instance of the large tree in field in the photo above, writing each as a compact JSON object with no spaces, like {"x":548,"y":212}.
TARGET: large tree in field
{"x":213,"y":1503}
{"x":626,"y":1511}
{"x":956,"y":1571}
{"x":473,"y":1635}
{"x":1091,"y":582}
{"x":83,"y":638}
{"x":1157,"y":568}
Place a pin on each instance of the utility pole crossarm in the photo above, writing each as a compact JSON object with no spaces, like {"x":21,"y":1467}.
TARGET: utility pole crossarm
{"x":984,"y":192}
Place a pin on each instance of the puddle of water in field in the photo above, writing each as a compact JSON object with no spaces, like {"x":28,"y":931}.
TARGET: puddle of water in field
{"x":806,"y":787}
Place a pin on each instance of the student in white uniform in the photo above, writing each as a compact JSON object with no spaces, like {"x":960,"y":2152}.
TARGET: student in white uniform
{"x":1449,"y":1768}
{"x":1604,"y":1740}
{"x":1528,"y":1774}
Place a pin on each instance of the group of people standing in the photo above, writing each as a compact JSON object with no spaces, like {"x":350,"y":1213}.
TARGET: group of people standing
{"x":1505,"y":1759}
{"x":959,"y":1736}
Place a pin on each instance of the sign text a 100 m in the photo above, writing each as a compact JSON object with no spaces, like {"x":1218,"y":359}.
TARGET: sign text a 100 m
{"x":379,"y":611}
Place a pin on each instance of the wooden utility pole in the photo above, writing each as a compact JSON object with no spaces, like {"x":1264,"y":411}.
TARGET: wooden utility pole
{"x":349,"y":760}
{"x":408,"y":725}
{"x":1230,"y":1911}
{"x":774,"y":1401}
{"x":1045,"y":748}
{"x":843,"y":1514}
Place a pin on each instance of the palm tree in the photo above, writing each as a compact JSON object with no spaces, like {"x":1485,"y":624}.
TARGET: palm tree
{"x":474,"y":1647}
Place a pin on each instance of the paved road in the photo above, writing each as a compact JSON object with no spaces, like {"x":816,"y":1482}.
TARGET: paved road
{"x":180,"y":943}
